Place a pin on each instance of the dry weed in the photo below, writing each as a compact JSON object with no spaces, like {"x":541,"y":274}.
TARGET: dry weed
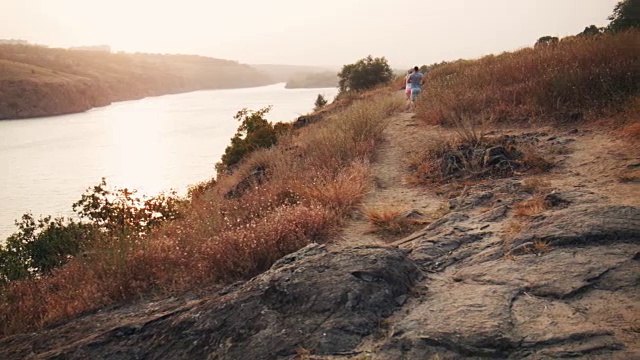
{"x":631,"y":132}
{"x":536,"y":162}
{"x":535,"y":185}
{"x":390,"y":220}
{"x":532,"y":207}
{"x":629,"y":176}
{"x":510,"y":230}
{"x":541,"y":247}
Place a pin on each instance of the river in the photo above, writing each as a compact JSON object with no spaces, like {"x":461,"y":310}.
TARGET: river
{"x":152,"y":145}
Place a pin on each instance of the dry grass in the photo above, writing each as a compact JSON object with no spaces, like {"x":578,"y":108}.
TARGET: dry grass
{"x":631,"y":132}
{"x":580,"y":77}
{"x":391,"y":220}
{"x":534,"y":161}
{"x":512,"y":229}
{"x":629,"y":176}
{"x":535,"y":185}
{"x":540,"y":247}
{"x":532,"y":207}
{"x":308,"y":184}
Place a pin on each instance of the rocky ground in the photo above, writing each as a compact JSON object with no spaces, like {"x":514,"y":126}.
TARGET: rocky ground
{"x":480,"y":279}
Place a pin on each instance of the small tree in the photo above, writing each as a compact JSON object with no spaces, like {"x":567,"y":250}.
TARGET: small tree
{"x":253,"y":133}
{"x":626,"y":15}
{"x":122,"y":213}
{"x":547,"y":41}
{"x":364,"y":74}
{"x":320,"y":102}
{"x":591,"y":30}
{"x":42,"y":245}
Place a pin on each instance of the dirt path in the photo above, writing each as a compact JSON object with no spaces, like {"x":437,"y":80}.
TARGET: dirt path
{"x":391,"y":189}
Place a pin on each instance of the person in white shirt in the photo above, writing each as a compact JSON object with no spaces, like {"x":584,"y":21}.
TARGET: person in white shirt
{"x":407,"y":89}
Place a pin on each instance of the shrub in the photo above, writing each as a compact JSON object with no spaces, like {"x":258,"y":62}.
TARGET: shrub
{"x":122,"y":213}
{"x":364,"y":74}
{"x":469,"y":155}
{"x":547,"y":41}
{"x":391,"y":220}
{"x":534,"y":206}
{"x":254,"y":132}
{"x":41,"y":245}
{"x":320,"y":102}
{"x":626,"y":15}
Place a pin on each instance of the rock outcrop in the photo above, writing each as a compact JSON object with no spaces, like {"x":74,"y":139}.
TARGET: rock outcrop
{"x":312,"y":299}
{"x":454,"y":290}
{"x":567,"y":285}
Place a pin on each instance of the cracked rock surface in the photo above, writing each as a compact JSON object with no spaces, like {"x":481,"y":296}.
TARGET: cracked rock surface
{"x":312,"y":299}
{"x":486,"y":297}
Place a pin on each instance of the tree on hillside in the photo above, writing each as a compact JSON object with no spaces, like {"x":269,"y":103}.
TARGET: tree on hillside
{"x":365,"y":74}
{"x":591,"y":30}
{"x":626,"y":15}
{"x":320,"y":102}
{"x":547,"y":41}
{"x":255,"y":132}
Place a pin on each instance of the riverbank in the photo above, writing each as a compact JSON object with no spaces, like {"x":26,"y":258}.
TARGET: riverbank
{"x":38,"y":81}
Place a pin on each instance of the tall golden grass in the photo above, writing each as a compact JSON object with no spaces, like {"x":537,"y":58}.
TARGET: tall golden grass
{"x":312,"y":179}
{"x":577,"y":78}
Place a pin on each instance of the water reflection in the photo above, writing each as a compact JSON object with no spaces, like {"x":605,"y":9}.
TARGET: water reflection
{"x":154,"y":144}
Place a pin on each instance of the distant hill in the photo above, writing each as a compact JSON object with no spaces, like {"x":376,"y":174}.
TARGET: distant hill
{"x":283,"y":73}
{"x":313,"y":80}
{"x":40,"y":81}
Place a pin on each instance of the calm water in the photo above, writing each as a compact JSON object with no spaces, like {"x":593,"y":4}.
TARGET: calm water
{"x":153,"y":144}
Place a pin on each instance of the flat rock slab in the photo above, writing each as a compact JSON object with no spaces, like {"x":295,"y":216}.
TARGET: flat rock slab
{"x":316,"y":300}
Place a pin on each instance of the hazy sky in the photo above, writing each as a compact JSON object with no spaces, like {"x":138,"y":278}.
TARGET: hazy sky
{"x":318,"y":32}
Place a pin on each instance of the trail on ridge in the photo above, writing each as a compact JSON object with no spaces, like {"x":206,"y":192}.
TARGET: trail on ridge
{"x":391,"y":188}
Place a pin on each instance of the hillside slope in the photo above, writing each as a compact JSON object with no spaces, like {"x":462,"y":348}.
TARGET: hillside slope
{"x":38,"y":81}
{"x":482,"y":280}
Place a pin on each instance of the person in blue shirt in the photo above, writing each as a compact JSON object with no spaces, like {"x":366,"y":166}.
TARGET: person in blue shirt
{"x":417,"y":79}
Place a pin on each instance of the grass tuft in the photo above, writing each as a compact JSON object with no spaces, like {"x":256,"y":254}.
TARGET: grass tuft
{"x":391,"y":220}
{"x":532,"y":207}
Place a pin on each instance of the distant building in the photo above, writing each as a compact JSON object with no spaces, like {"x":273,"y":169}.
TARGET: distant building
{"x":100,"y":48}
{"x":14,"y":42}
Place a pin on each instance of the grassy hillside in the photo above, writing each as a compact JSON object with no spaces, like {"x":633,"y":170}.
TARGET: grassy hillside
{"x":579,"y":77}
{"x":38,"y":81}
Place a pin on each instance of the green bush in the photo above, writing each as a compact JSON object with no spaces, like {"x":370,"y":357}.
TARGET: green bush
{"x":122,"y":213}
{"x":364,"y":74}
{"x":42,"y":245}
{"x":320,"y":102}
{"x":626,"y":15}
{"x":255,"y":132}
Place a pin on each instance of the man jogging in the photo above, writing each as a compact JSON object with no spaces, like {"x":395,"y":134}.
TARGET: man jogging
{"x":416,"y":79}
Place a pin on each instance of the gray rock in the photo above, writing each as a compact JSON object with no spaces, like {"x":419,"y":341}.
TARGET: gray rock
{"x":321,"y":301}
{"x":583,"y":225}
{"x":494,"y":155}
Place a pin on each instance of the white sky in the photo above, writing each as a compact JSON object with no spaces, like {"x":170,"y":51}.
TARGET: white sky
{"x":317,"y":32}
